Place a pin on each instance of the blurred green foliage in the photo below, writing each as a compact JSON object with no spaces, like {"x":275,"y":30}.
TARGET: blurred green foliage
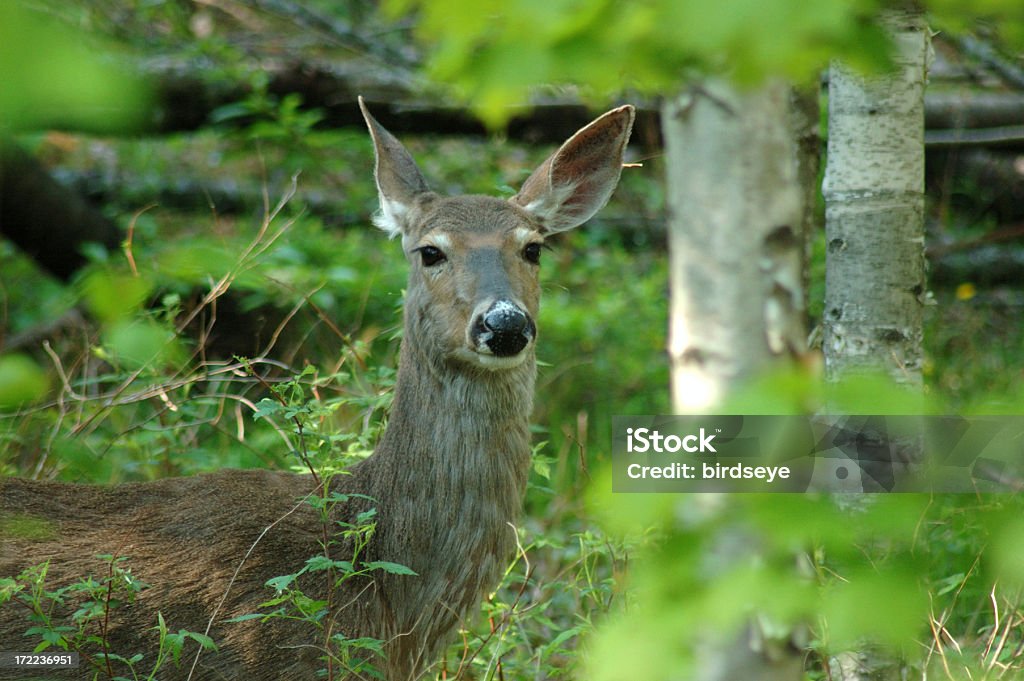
{"x":22,"y":381}
{"x":496,"y":53}
{"x":53,"y":75}
{"x":1003,"y":19}
{"x":882,"y":569}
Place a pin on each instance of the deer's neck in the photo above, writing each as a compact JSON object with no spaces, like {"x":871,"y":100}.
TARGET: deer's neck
{"x":448,"y":478}
{"x":449,"y":473}
{"x":459,"y":437}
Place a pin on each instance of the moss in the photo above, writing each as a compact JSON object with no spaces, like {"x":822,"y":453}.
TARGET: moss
{"x":18,"y":526}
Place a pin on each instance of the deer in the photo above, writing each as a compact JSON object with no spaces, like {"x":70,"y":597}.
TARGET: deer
{"x":446,"y":477}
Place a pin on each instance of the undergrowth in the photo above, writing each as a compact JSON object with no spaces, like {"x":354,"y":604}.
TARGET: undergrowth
{"x":85,"y":630}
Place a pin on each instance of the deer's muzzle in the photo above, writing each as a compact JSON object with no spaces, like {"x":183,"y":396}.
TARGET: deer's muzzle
{"x":503,"y":330}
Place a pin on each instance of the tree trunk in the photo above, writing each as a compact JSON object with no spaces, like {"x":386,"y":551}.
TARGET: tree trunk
{"x":874,"y":228}
{"x":737,"y":219}
{"x":874,"y":212}
{"x":738,"y":170}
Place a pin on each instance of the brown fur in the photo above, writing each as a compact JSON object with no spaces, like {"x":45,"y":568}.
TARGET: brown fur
{"x":447,"y":476}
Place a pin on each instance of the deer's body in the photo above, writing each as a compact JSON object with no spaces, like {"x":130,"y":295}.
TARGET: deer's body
{"x":447,"y":476}
{"x":445,"y":495}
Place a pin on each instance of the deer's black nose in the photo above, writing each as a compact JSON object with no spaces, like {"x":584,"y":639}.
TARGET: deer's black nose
{"x":506,"y":329}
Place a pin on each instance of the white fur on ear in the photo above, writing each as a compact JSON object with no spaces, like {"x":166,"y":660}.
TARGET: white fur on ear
{"x":390,"y":216}
{"x":547,"y":207}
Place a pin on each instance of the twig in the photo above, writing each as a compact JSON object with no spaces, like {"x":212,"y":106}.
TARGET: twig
{"x":253,"y":250}
{"x":1007,"y":233}
{"x":307,"y":299}
{"x":105,"y":627}
{"x":995,"y":622}
{"x":938,"y":629}
{"x":508,"y":615}
{"x":127,"y":245}
{"x":65,"y":383}
{"x":284,"y":322}
{"x":961,"y":137}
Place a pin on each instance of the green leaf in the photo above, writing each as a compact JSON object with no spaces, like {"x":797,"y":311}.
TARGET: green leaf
{"x":246,"y":618}
{"x":363,"y":643}
{"x":309,"y":607}
{"x":53,"y":77}
{"x":267,"y":407}
{"x":52,"y":637}
{"x":281,"y":583}
{"x":112,"y":296}
{"x":851,"y":609}
{"x":366,"y":517}
{"x":557,"y":642}
{"x":542,"y":466}
{"x":8,"y":588}
{"x":949,"y":584}
{"x":391,"y":568}
{"x":22,"y":381}
{"x":497,"y":54}
{"x":321,"y":563}
{"x":129,"y":661}
{"x":202,"y":639}
{"x":161,"y":625}
{"x":1008,"y":553}
{"x":138,"y":343}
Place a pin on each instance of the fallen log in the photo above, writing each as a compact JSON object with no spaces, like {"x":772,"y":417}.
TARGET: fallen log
{"x":45,"y":219}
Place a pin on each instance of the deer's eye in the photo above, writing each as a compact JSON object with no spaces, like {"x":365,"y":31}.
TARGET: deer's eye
{"x":431,"y":255}
{"x":532,"y":253}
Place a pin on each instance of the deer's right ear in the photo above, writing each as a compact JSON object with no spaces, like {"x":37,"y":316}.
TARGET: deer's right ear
{"x":398,"y":178}
{"x":577,"y":180}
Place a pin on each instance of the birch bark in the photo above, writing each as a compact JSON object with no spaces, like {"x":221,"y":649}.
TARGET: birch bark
{"x":875,"y":286}
{"x":736,"y":236}
{"x":874,"y":212}
{"x":740,"y":174}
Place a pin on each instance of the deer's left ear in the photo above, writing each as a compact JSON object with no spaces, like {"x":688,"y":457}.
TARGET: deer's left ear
{"x":398,"y":178}
{"x":577,"y":180}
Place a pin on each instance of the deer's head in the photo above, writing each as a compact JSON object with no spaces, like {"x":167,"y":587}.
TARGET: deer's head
{"x":473,"y":290}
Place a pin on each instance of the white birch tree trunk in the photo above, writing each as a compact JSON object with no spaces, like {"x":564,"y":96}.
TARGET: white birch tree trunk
{"x":875,"y":281}
{"x":738,"y":215}
{"x":740,"y":179}
{"x":874,"y":212}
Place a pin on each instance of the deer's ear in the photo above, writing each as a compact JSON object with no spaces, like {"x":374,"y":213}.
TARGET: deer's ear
{"x":398,"y":179}
{"x":577,"y":180}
